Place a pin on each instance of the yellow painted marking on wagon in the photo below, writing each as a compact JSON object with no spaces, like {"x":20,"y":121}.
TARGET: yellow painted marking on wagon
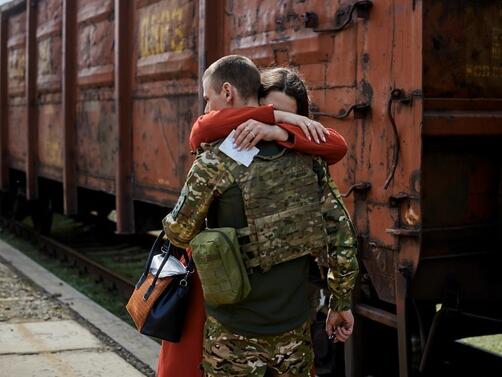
{"x":497,"y":45}
{"x":52,"y":152}
{"x":497,"y":72}
{"x":44,"y":57}
{"x":478,"y":70}
{"x":497,"y":53}
{"x":494,"y":69}
{"x":17,"y":64}
{"x":161,"y":32}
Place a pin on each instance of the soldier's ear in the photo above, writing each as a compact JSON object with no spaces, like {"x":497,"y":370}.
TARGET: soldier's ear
{"x":228,"y":91}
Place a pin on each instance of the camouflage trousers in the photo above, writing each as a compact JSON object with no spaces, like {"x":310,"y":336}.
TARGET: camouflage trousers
{"x":229,"y":354}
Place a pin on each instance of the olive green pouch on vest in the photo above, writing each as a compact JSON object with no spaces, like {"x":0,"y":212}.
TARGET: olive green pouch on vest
{"x":219,"y":263}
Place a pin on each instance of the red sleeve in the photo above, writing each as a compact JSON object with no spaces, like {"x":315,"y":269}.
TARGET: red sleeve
{"x":333,"y":150}
{"x":218,"y":124}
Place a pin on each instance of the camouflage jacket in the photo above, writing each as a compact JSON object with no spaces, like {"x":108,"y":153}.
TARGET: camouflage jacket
{"x":341,"y":256}
{"x":209,"y":177}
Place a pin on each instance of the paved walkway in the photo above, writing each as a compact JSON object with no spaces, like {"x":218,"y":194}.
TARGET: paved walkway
{"x":39,"y":336}
{"x":57,"y":348}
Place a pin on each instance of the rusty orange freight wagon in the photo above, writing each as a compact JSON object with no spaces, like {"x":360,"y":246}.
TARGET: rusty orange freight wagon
{"x":97,"y":98}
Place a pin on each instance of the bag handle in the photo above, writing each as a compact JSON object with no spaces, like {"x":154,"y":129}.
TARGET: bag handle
{"x":153,"y":251}
{"x":183,"y":282}
{"x":162,"y":264}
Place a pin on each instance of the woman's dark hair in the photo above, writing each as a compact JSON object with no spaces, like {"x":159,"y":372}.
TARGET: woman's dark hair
{"x":289,"y":82}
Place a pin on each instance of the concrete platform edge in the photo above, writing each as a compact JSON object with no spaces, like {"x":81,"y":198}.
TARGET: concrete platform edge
{"x":143,"y":348}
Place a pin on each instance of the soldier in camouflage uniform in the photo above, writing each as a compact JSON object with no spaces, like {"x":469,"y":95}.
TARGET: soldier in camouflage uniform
{"x":236,"y":348}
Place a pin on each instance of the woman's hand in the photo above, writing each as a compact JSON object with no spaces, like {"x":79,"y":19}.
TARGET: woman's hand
{"x":249,"y":133}
{"x":311,"y":128}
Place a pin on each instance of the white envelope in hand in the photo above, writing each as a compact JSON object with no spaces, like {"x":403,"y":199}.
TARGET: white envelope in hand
{"x":242,"y":157}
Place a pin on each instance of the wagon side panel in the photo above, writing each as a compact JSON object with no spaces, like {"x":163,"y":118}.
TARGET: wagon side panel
{"x":16,"y":102}
{"x":49,"y":62}
{"x":285,"y":34}
{"x":164,"y":96}
{"x":96,"y":134}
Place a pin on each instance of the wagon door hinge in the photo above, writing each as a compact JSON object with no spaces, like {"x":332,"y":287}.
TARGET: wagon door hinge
{"x":360,"y":110}
{"x":343,"y":16}
{"x":361,"y":187}
{"x":400,"y":96}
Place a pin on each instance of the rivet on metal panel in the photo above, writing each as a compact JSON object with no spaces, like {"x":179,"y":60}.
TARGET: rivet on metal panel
{"x":360,"y":110}
{"x":400,"y":96}
{"x":360,"y":187}
{"x":343,"y":16}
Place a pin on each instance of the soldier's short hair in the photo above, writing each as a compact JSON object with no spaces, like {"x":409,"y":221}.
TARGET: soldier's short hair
{"x":237,"y":70}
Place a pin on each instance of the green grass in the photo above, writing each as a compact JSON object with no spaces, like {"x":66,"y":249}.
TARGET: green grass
{"x":129,"y":270}
{"x":492,"y":343}
{"x":108,"y":299}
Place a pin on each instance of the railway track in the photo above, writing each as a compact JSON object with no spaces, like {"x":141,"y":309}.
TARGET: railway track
{"x":110,"y":259}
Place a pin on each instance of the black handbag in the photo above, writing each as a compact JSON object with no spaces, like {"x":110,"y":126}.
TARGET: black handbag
{"x":159,"y":301}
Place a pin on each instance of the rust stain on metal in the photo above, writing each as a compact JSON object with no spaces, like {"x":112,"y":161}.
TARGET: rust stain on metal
{"x":411,"y":218}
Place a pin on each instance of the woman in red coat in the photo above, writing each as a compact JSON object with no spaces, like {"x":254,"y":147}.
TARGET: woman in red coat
{"x":287,"y":107}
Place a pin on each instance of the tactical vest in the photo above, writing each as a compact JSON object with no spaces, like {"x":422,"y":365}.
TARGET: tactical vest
{"x":283,"y":212}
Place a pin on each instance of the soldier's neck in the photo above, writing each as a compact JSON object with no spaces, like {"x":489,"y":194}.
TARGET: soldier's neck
{"x":246,"y":103}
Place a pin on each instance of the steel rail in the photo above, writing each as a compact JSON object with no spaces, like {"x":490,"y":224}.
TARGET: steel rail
{"x":73,"y":257}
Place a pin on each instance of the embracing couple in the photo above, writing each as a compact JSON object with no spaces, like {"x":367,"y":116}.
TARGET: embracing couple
{"x":292,"y":211}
